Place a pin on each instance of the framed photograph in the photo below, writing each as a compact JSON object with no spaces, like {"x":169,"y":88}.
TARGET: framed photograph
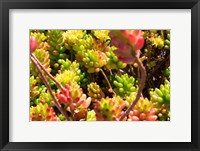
{"x":103,"y":75}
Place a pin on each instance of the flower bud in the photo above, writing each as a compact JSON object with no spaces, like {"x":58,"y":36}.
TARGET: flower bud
{"x":33,"y":44}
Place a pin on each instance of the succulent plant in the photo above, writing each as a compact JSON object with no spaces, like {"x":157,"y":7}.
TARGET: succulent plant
{"x":161,"y":99}
{"x":45,"y":97}
{"x":94,"y":91}
{"x":61,"y":117}
{"x":124,"y":85}
{"x":34,"y":89}
{"x":162,"y":95}
{"x":167,"y":40}
{"x":67,"y":77}
{"x":102,"y":35}
{"x":91,"y":115}
{"x":43,"y":56}
{"x":85,"y":43}
{"x":99,"y":75}
{"x":113,"y":61}
{"x":68,"y":65}
{"x":56,"y":48}
{"x":158,"y":42}
{"x":72,"y":37}
{"x":73,"y":97}
{"x":109,"y":109}
{"x":162,"y":111}
{"x":43,"y":113}
{"x":144,"y":110}
{"x":84,"y":80}
{"x":167,"y":72}
{"x":41,"y":40}
{"x":92,"y":60}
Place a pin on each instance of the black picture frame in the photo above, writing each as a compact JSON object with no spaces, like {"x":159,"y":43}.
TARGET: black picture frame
{"x":5,"y":5}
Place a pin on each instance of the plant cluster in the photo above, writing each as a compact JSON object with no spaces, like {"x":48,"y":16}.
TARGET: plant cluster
{"x":100,"y":75}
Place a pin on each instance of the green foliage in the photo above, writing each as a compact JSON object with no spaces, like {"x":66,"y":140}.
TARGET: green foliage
{"x":161,"y":98}
{"x":57,"y":48}
{"x":124,"y":85}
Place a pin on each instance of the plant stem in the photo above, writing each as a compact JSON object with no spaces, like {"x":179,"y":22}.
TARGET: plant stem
{"x":48,"y":74}
{"x":110,"y":72}
{"x":141,"y":86}
{"x":109,"y":85}
{"x":131,"y":68}
{"x":49,"y":89}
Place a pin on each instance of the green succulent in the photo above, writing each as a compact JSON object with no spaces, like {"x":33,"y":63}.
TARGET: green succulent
{"x":113,"y":62}
{"x":91,"y":115}
{"x":124,"y":85}
{"x":161,"y":99}
{"x":57,"y":48}
{"x":68,"y":65}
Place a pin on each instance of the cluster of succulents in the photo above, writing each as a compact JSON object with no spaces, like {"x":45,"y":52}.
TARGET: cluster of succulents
{"x":95,"y":75}
{"x":56,"y":48}
{"x":144,"y":110}
{"x":73,"y":98}
{"x":124,"y":85}
{"x":34,"y":89}
{"x":92,"y":60}
{"x":43,"y":56}
{"x":161,"y":99}
{"x":109,"y":109}
{"x":43,"y":113}
{"x":113,"y":61}
{"x":94,"y":91}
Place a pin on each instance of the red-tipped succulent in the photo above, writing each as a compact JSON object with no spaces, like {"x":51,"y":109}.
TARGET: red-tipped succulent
{"x":42,"y":113}
{"x":109,"y":109}
{"x":127,"y":42}
{"x":144,"y":110}
{"x":73,"y":97}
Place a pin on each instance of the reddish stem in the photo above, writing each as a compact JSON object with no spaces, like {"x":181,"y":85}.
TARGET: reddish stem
{"x":49,"y":89}
{"x":109,"y":85}
{"x":141,"y":86}
{"x":48,"y":74}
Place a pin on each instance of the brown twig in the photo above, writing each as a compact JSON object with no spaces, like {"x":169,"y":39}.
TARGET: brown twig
{"x":48,"y":74}
{"x":109,"y":85}
{"x":131,"y":68}
{"x":49,"y":88}
{"x":141,"y":86}
{"x":110,"y":72}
